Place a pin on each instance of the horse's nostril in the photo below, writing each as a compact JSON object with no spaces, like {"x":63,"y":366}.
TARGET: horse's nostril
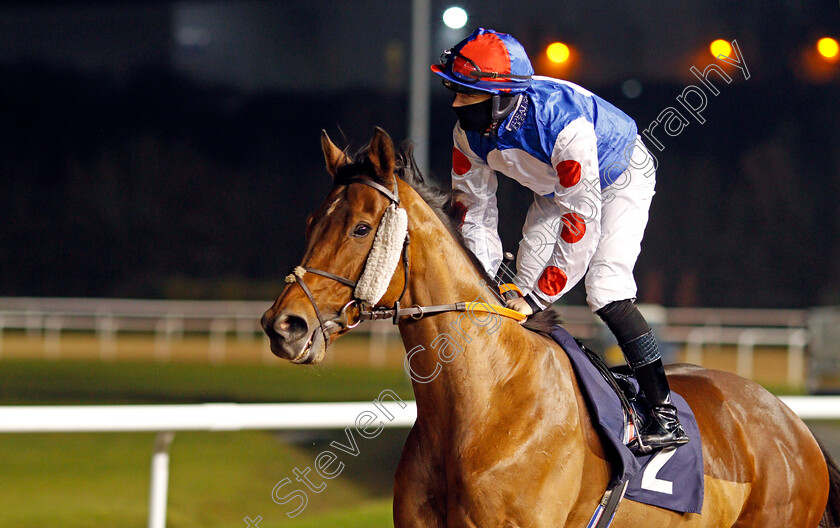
{"x":290,"y":327}
{"x":267,"y":323}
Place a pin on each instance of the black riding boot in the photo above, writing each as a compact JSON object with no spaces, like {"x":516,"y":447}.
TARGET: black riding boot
{"x":639,"y":345}
{"x":663,"y":428}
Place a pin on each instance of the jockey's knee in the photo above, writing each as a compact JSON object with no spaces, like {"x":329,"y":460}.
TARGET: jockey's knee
{"x":624,"y":320}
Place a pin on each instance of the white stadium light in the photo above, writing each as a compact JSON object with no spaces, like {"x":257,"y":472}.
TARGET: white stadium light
{"x":455,"y":17}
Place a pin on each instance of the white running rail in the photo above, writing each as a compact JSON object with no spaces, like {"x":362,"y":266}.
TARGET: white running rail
{"x":167,"y":419}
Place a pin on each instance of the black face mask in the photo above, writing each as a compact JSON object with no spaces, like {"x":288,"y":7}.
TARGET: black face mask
{"x":477,"y":116}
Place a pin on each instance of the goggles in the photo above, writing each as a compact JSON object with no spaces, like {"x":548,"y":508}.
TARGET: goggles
{"x":458,"y":88}
{"x":466,"y":70}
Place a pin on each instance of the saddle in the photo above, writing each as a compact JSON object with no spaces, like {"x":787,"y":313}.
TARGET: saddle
{"x":622,"y":382}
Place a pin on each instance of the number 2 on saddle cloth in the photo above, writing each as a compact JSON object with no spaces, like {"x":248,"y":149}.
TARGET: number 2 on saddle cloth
{"x":671,"y":478}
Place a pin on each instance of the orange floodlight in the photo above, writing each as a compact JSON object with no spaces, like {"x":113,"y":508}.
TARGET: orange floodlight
{"x":720,"y":47}
{"x":828,"y":48}
{"x":558,"y":52}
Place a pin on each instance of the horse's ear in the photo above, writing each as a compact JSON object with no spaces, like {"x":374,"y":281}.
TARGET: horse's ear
{"x":334,"y":156}
{"x":381,"y":154}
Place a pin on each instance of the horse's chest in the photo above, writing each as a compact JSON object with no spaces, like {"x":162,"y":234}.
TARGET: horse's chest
{"x":488,"y":489}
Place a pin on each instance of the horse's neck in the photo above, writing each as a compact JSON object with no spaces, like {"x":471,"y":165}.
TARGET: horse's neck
{"x":463,"y":364}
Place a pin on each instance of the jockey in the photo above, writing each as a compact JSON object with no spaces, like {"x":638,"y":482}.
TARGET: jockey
{"x":593,"y":181}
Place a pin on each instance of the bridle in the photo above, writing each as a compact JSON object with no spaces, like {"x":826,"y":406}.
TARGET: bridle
{"x":396,"y":312}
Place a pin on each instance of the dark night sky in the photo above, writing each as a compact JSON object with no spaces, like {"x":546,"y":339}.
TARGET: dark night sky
{"x":320,"y":44}
{"x":131,"y":127}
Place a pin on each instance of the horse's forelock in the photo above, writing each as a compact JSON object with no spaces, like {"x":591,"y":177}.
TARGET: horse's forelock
{"x":440,"y":199}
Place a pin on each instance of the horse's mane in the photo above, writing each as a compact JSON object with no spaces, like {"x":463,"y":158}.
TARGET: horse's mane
{"x":442,"y":201}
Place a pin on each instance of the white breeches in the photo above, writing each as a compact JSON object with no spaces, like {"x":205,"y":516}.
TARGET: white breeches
{"x":624,"y":215}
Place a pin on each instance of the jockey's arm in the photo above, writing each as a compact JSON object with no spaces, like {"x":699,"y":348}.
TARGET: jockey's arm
{"x":574,"y":158}
{"x":476,"y":183}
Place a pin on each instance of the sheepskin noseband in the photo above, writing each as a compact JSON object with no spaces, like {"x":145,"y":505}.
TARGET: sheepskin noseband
{"x":384,"y":256}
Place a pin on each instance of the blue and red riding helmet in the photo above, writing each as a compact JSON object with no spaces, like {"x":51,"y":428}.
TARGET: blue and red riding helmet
{"x":486,"y":61}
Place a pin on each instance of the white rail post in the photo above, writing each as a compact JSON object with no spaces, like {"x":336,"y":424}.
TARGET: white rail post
{"x":159,"y":487}
{"x":52,"y":337}
{"x":797,"y":341}
{"x":694,"y":345}
{"x":378,"y":351}
{"x":245,"y":328}
{"x":2,"y":328}
{"x":106,"y":328}
{"x":218,"y":337}
{"x":165,"y":329}
{"x":161,"y":340}
{"x":34,"y":323}
{"x":746,"y":346}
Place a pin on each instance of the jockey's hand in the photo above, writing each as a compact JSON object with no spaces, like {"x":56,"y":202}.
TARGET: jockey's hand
{"x":520,"y":305}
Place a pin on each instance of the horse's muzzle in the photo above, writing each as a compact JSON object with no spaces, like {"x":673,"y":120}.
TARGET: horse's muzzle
{"x":292,"y":338}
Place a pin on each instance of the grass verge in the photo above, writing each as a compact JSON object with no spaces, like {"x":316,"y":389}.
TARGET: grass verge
{"x":216,"y":478}
{"x":95,"y":382}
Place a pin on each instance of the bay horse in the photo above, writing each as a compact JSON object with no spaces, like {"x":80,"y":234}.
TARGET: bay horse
{"x":503,"y":436}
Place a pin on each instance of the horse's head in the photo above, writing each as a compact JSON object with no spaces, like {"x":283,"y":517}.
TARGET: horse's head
{"x":341,"y":267}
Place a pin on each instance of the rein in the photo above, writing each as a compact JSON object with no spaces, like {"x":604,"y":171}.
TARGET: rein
{"x":396,"y":312}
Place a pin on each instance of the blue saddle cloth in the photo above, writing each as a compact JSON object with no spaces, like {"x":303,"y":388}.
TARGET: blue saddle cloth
{"x":671,"y":479}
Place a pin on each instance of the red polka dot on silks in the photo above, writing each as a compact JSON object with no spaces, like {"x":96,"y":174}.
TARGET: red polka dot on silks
{"x":460,"y":164}
{"x":573,"y":227}
{"x":568,"y":172}
{"x":552,"y":281}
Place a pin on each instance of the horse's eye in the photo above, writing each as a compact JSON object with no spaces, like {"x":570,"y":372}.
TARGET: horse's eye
{"x":361,"y":231}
